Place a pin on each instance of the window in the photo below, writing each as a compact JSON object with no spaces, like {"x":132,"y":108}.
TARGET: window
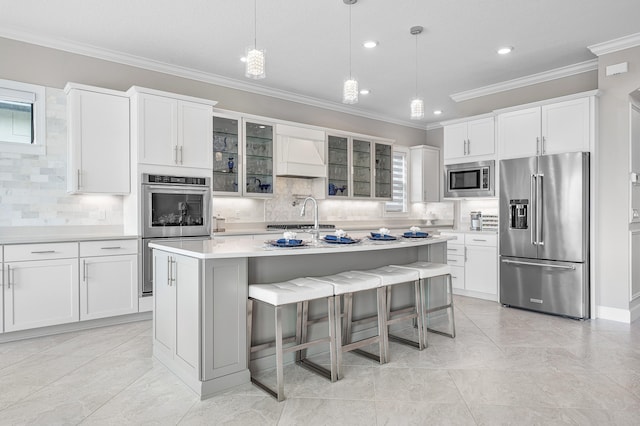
{"x":399,"y":187}
{"x":22,"y":117}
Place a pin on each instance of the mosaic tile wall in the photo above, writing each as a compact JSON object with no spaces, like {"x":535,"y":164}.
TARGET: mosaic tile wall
{"x":280,"y":208}
{"x":33,"y":187}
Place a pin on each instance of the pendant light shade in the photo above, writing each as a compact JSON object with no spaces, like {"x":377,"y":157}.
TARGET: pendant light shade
{"x":417,"y":104}
{"x":255,"y":65}
{"x":417,"y":109}
{"x":350,"y":91}
{"x":255,"y":58}
{"x":350,"y":88}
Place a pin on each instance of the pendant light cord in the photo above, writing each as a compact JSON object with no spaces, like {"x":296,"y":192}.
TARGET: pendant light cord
{"x":255,"y":24}
{"x":416,"y":65}
{"x":350,"y":77}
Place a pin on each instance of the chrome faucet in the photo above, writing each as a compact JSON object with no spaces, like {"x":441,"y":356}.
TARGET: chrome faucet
{"x":316,"y":226}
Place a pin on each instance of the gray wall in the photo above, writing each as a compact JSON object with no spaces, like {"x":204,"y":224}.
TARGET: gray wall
{"x":54,"y":68}
{"x":612,"y":224}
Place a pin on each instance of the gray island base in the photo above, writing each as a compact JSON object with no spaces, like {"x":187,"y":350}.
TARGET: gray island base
{"x":200,"y":297}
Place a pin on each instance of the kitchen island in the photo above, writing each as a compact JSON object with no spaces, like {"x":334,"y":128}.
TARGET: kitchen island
{"x":201,"y":287}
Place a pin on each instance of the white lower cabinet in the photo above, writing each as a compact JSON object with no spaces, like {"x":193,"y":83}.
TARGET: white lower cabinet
{"x":39,"y":293}
{"x":109,"y":278}
{"x":176,"y":324}
{"x":473,"y":258}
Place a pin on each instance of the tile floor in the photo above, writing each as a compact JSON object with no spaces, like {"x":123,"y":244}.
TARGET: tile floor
{"x":506,"y":366}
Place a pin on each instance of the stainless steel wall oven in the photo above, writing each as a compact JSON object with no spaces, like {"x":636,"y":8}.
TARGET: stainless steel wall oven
{"x":173,"y":207}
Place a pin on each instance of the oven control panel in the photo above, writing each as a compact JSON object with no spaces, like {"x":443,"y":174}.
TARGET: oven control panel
{"x":175,"y":180}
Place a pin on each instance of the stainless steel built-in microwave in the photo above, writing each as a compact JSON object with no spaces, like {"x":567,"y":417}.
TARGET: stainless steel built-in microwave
{"x":469,"y":180}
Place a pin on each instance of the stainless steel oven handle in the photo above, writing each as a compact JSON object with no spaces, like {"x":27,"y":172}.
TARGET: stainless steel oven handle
{"x":543,"y":265}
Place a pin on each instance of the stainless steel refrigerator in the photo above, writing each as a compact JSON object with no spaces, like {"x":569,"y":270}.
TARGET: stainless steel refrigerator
{"x":544,"y":233}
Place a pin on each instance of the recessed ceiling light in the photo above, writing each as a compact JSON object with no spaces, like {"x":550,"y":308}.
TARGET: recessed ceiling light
{"x":437,"y":112}
{"x":370,"y":44}
{"x":243,"y":59}
{"x":365,"y":91}
{"x":505,"y":50}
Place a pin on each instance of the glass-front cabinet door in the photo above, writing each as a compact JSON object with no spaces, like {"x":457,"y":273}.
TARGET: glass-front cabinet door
{"x":226,"y":155}
{"x":361,"y":168}
{"x":259,"y":170}
{"x":383,"y":170}
{"x":338,"y":170}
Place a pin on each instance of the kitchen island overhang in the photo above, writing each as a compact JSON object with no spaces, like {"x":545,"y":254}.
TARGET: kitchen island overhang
{"x":201,"y":290}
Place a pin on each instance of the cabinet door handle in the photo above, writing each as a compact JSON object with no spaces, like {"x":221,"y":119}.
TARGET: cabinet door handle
{"x":79,"y":177}
{"x":537,"y":145}
{"x":464,"y":147}
{"x":111,"y":248}
{"x":465,"y":253}
{"x":544,"y":139}
{"x":43,"y":252}
{"x":84,"y":271}
{"x":169,"y":271}
{"x":468,"y":146}
{"x":175,"y":154}
{"x":8,"y":277}
{"x":181,"y":156}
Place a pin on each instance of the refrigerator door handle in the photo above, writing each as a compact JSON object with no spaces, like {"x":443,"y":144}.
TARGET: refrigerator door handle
{"x":544,"y":265}
{"x":532,"y":196}
{"x":539,"y":207}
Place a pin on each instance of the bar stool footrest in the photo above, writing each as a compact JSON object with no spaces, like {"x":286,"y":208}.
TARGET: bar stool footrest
{"x":402,"y":340}
{"x":367,"y":354}
{"x":442,"y":333}
{"x":315,"y":368}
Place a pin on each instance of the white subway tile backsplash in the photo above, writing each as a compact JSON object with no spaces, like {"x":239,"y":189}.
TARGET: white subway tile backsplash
{"x":33,"y":187}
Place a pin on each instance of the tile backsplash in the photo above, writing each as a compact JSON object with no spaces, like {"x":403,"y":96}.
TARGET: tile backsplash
{"x":33,"y":187}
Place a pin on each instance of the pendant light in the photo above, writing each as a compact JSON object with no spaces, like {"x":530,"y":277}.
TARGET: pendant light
{"x":417,"y":104}
{"x":255,"y":64}
{"x":350,"y":89}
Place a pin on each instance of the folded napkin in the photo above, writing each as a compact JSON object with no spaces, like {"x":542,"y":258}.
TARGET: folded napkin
{"x":336,"y":238}
{"x":414,"y":229}
{"x":384,"y":231}
{"x":288,"y":235}
{"x":289,"y":241}
{"x":382,"y":236}
{"x":340,"y":233}
{"x":416,"y":234}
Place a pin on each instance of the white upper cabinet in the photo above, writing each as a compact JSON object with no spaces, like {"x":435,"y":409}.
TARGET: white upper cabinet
{"x":425,"y":174}
{"x":471,"y":140}
{"x":172,"y":130}
{"x":98,"y":140}
{"x":566,"y":126}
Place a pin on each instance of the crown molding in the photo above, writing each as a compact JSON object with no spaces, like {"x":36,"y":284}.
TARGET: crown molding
{"x":517,"y":83}
{"x":615,"y":45}
{"x":192,"y":74}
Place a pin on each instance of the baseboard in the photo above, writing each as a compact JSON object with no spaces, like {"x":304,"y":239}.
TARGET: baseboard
{"x":615,"y":314}
{"x":74,"y":326}
{"x":635,"y":313}
{"x":476,"y":294}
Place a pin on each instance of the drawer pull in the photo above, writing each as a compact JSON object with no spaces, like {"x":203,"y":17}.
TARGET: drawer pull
{"x":43,"y":252}
{"x":452,"y":249}
{"x":110,"y":248}
{"x":477,"y":239}
{"x":451,"y":260}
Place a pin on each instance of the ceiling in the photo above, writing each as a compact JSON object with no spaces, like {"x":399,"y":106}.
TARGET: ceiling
{"x":307,"y":47}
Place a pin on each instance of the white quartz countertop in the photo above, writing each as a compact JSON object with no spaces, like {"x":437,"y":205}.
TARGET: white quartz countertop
{"x":234,"y":247}
{"x":61,"y":238}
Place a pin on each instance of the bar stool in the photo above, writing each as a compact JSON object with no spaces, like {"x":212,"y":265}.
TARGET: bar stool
{"x":299,"y":291}
{"x":428,"y":270}
{"x":345,"y":284}
{"x":391,"y":276}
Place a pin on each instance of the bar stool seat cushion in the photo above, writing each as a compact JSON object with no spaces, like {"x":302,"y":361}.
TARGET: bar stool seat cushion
{"x":350,"y":282}
{"x":293,"y":291}
{"x":391,"y":275}
{"x":428,"y":269}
